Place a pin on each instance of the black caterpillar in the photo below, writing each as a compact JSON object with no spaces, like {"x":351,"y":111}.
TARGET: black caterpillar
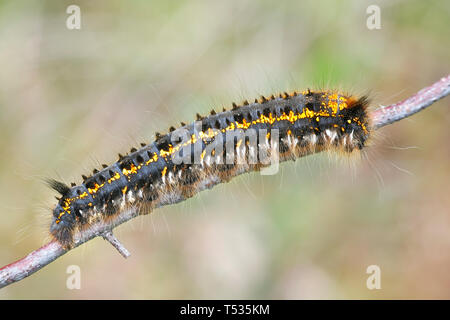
{"x":152,"y":175}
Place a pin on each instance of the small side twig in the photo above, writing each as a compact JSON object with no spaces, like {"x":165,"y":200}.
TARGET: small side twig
{"x":109,"y":236}
{"x":39,"y":258}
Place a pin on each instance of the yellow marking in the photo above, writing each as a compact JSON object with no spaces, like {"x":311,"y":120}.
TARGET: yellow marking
{"x":66,"y":208}
{"x":132,"y":170}
{"x":114,"y":178}
{"x":164,"y":171}
{"x":165,"y":153}
{"x":83,"y":195}
{"x":153,"y":159}
{"x":95,"y":189}
{"x":124,"y":190}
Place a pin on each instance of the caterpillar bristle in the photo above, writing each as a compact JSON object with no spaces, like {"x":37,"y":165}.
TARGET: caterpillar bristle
{"x":58,"y":186}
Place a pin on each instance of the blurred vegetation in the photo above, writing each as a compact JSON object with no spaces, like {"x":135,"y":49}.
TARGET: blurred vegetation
{"x":72,"y":99}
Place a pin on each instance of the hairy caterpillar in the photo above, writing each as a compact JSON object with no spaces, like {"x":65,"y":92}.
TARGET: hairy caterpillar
{"x":210,"y":151}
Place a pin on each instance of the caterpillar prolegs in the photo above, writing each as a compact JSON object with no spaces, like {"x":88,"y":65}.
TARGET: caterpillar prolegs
{"x":212,"y":150}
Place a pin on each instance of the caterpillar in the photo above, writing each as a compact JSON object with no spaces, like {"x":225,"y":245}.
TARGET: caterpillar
{"x":212,"y":150}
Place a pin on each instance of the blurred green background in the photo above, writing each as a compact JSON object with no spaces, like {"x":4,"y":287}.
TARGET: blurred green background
{"x":72,"y":99}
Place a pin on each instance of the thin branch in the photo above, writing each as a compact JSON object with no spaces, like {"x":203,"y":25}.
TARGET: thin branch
{"x":33,"y":262}
{"x":422,"y":99}
{"x":39,"y":258}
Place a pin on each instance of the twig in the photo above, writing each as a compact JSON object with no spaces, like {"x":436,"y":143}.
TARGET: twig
{"x":422,"y":99}
{"x":33,"y":262}
{"x":108,"y":236}
{"x":39,"y":258}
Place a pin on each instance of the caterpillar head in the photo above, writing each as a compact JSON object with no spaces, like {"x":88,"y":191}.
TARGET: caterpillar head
{"x":67,"y":212}
{"x":62,"y":226}
{"x":355,"y":119}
